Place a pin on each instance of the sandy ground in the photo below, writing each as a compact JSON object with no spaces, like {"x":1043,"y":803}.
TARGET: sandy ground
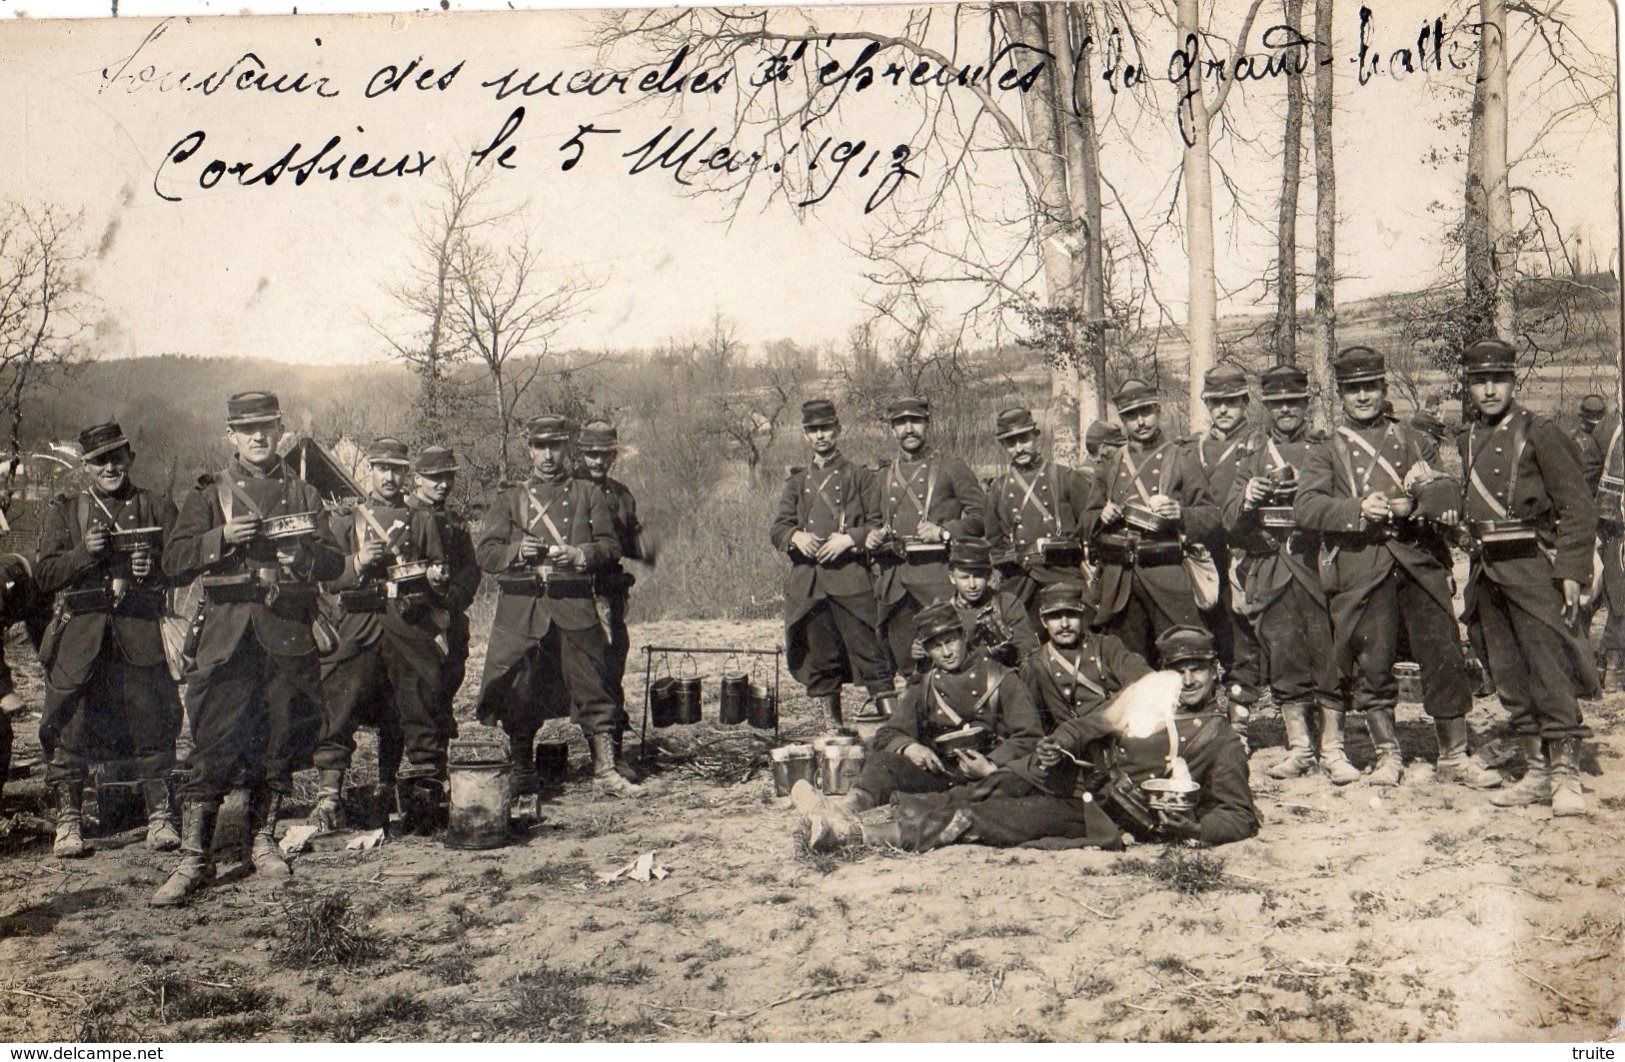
{"x":1357,"y":914}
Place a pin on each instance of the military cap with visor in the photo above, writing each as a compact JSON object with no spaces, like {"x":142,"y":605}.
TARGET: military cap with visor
{"x":970,"y":554}
{"x":1014,"y":422}
{"x":1177,"y":645}
{"x":100,"y":440}
{"x":1135,"y":394}
{"x":1284,"y":383}
{"x":598,"y":435}
{"x":1062,"y":597}
{"x":818,"y":413}
{"x":1593,"y":407}
{"x":935,"y":620}
{"x":551,"y":428}
{"x":912,"y":406}
{"x":385,"y":450}
{"x":1224,"y":381}
{"x":1359,"y":365}
{"x":252,"y":407}
{"x":435,"y":461}
{"x":1104,"y":433}
{"x":1489,"y":357}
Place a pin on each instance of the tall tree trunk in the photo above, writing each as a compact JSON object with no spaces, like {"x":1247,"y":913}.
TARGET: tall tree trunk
{"x":1286,"y":250}
{"x":1325,"y":215}
{"x":502,"y":421}
{"x":1052,"y":221}
{"x":1197,"y":176}
{"x":1487,"y":221}
{"x":1076,"y":91}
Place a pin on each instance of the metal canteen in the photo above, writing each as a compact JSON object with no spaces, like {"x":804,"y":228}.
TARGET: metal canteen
{"x":663,"y":701}
{"x":688,"y":699}
{"x":734,"y":705}
{"x":763,"y":712}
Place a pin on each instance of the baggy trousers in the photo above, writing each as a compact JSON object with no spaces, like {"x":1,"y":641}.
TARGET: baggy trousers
{"x":255,"y":720}
{"x":393,"y":684}
{"x":1529,"y":662}
{"x":1401,"y":604}
{"x":530,"y":680}
{"x":120,"y":712}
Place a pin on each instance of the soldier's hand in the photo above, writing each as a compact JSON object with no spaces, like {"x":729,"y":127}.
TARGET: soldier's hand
{"x":292,"y":556}
{"x":439,"y":577}
{"x":924,"y":758}
{"x":97,"y":541}
{"x":1258,"y":491}
{"x":805,"y":543}
{"x":1111,"y":513}
{"x":916,"y":650}
{"x":1571,"y":601}
{"x":141,"y":563}
{"x":875,"y":539}
{"x":241,"y":528}
{"x":1374,"y":507}
{"x":369,"y":553}
{"x":573,"y":556}
{"x":834,"y":546}
{"x":1048,"y":753}
{"x":931,"y":532}
{"x":11,"y":703}
{"x":1448,"y":518}
{"x":974,"y":765}
{"x":531,"y":547}
{"x":1165,"y":507}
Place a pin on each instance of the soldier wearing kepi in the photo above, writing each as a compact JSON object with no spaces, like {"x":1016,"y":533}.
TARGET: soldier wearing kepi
{"x":1280,"y":577}
{"x":928,"y":500}
{"x":1378,"y":506}
{"x":612,"y":584}
{"x":1603,"y":462}
{"x":384,"y":670}
{"x":436,"y":469}
{"x":1228,"y":441}
{"x":825,"y":514}
{"x":1101,"y":441}
{"x":994,"y":622}
{"x":1035,"y":508}
{"x":254,"y":693}
{"x":1148,"y":502}
{"x":108,"y":693}
{"x":1591,"y":443}
{"x":1525,"y":496}
{"x":543,"y":540}
{"x":20,"y":602}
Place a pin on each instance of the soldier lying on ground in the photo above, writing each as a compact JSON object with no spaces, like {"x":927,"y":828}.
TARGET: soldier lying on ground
{"x":1113,"y":805}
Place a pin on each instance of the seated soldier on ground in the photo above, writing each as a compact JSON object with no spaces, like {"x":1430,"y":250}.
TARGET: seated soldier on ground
{"x":966,"y":697}
{"x":994,"y":622}
{"x":1113,"y":805}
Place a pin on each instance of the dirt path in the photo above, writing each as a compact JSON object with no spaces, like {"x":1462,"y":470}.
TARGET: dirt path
{"x":1422,"y":914}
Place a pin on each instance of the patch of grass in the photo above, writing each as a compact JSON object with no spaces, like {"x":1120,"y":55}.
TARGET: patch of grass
{"x":241,"y":1027}
{"x":1024,"y":1033}
{"x":823,"y":976}
{"x":184,"y":999}
{"x":1183,"y":870}
{"x":1173,"y":964}
{"x":321,"y":931}
{"x":778,"y":899}
{"x":628,"y":976}
{"x":1000,"y":930}
{"x":969,"y":960}
{"x":1368,"y":902}
{"x":549,"y":874}
{"x":370,"y":1018}
{"x":550,"y":1004}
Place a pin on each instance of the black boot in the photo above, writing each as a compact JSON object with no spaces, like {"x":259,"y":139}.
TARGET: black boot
{"x":163,"y":831}
{"x":523,"y":781}
{"x":68,"y":800}
{"x":5,"y":751}
{"x":832,"y":705}
{"x":264,"y":808}
{"x":196,"y":867}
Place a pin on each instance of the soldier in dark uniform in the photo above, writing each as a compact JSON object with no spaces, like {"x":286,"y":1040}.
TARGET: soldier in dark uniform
{"x":20,"y":602}
{"x":1526,"y":496}
{"x":1101,"y":441}
{"x":1229,"y":440}
{"x":1078,"y":669}
{"x":254,"y":692}
{"x":108,"y":693}
{"x":961,"y":692}
{"x":543,"y":540}
{"x":384,"y":670}
{"x":993,"y":621}
{"x":1144,"y":588}
{"x":825,"y":514}
{"x":1378,"y":506}
{"x":612,"y":585}
{"x":1035,"y":508}
{"x":1280,"y":578}
{"x":1602,"y":459}
{"x":436,"y":470}
{"x":927,"y":501}
{"x":1115,"y":803}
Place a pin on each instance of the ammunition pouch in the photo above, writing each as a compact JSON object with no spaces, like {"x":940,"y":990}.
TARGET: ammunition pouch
{"x":561,"y":585}
{"x":520,"y":584}
{"x":1501,"y":540}
{"x":1127,"y":805}
{"x":236,"y":588}
{"x":613,"y":582}
{"x":81,"y":602}
{"x":366,"y":599}
{"x":1058,"y":552}
{"x":1131,"y":551}
{"x":923,"y":552}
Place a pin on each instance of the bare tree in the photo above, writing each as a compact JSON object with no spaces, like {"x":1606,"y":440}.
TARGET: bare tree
{"x":1325,"y":350}
{"x":1487,"y":231}
{"x":1284,"y":341}
{"x":509,"y":308}
{"x":45,"y":311}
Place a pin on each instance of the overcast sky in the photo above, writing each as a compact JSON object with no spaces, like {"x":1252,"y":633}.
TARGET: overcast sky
{"x":294,"y":273}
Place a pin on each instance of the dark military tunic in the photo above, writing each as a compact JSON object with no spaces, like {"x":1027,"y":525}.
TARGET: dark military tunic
{"x":1604,"y":475}
{"x":984,"y":693}
{"x":830,"y":630}
{"x":464,"y":574}
{"x":613,"y":586}
{"x":1525,"y":469}
{"x":1024,"y":506}
{"x":1384,"y":578}
{"x":997,"y":622}
{"x":1140,"y":601}
{"x":254,"y":693}
{"x":20,"y":602}
{"x":1069,"y":684}
{"x":1279,"y":575}
{"x":385,"y":669}
{"x":932,"y":487}
{"x":546,"y":655}
{"x":108,"y":692}
{"x":1220,"y":457}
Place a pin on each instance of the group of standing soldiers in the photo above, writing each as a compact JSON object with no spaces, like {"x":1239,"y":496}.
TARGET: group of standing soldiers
{"x":303,"y":624}
{"x":1314,"y":561}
